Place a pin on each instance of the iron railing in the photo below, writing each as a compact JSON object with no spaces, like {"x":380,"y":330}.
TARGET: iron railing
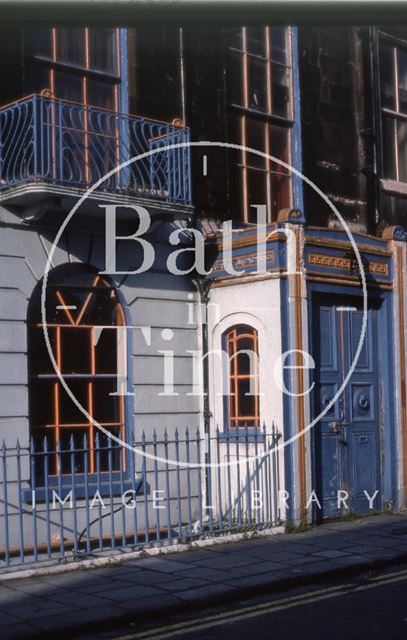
{"x":74,"y":145}
{"x":158,"y":495}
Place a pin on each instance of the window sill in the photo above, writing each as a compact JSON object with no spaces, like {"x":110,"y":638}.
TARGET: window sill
{"x":81,"y":491}
{"x":264,"y":115}
{"x":394,"y":187}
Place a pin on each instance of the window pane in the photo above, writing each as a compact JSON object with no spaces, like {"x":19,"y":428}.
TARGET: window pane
{"x":71,"y":46}
{"x":278,"y":45}
{"x":40,"y":361}
{"x":108,"y":454}
{"x":280,"y":193}
{"x":255,"y":139}
{"x":279,"y":146}
{"x":247,"y":403}
{"x":37,"y":42}
{"x":102,"y":307}
{"x":236,"y":191}
{"x":69,"y":412}
{"x":106,"y":351}
{"x":245,"y":342}
{"x":402,"y":77}
{"x":387,"y":76}
{"x":105,"y":406}
{"x":402,"y":149}
{"x":36,"y":77}
{"x":257,"y":71}
{"x":42,"y":403}
{"x":257,"y":191}
{"x":101,"y":50}
{"x":75,"y":350}
{"x":235,"y":78}
{"x":280,"y":91}
{"x":158,"y":60}
{"x":389,"y":155}
{"x":100,"y":94}
{"x":73,"y":459}
{"x":256,"y":41}
{"x":58,"y":298}
{"x":280,"y":178}
{"x":233,"y":38}
{"x":68,"y":87}
{"x":246,"y":358}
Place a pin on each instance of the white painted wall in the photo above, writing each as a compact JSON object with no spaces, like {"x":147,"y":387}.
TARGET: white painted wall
{"x":256,"y":304}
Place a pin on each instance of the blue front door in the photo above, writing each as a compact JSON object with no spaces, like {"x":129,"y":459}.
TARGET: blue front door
{"x":347,"y":438}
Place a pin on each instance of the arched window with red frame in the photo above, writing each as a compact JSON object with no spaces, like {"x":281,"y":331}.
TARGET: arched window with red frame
{"x":241,"y":344}
{"x":82,"y":316}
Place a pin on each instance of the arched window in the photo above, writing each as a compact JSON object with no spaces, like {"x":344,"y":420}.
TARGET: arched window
{"x":241,"y":343}
{"x":82,"y":313}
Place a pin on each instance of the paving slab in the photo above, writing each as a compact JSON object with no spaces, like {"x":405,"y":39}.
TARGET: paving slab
{"x":109,"y":585}
{"x":203,"y":593}
{"x":150,"y":577}
{"x":18,"y":631}
{"x":45,"y":606}
{"x":143,"y":605}
{"x":129,"y":591}
{"x":208,"y":573}
{"x":185,"y":584}
{"x":6,"y":619}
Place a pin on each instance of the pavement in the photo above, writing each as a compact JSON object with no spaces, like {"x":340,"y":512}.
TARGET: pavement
{"x":89,"y":600}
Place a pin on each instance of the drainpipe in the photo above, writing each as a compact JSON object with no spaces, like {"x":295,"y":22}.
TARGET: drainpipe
{"x":372,"y":125}
{"x":203,"y":288}
{"x":182,"y":74}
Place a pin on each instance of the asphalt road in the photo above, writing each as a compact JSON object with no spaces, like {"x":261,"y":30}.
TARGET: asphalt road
{"x":371,"y":606}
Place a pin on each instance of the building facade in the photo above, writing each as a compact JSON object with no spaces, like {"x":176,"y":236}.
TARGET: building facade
{"x":267,"y":385}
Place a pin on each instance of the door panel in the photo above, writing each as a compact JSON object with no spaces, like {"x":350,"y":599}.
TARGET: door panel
{"x":347,"y":442}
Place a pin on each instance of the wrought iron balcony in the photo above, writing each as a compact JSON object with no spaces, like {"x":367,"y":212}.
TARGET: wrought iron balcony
{"x":67,"y":146}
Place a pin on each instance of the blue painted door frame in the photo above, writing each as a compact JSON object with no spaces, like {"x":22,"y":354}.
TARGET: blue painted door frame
{"x":353,"y":447}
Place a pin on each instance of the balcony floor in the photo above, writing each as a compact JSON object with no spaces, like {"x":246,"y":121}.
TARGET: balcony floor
{"x":31,"y":195}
